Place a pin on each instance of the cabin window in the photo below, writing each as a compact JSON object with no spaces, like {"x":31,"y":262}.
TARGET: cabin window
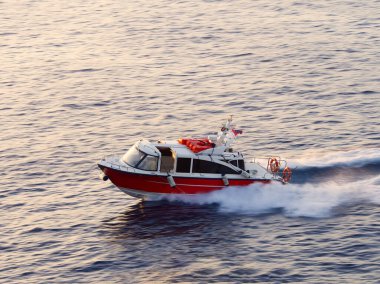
{"x":133,"y":156}
{"x":202,"y":166}
{"x":241,"y":164}
{"x":226,"y":170}
{"x":138,"y":159}
{"x":183,"y":165}
{"x":149,"y":163}
{"x":234,"y":163}
{"x":207,"y":167}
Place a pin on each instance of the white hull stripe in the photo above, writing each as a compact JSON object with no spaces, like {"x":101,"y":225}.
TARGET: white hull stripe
{"x":149,"y":195}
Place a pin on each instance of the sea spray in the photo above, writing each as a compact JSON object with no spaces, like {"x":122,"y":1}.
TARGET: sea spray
{"x":307,"y":200}
{"x":311,"y":199}
{"x":353,"y":158}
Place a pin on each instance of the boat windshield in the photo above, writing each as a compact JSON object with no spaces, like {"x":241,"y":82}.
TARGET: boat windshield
{"x":140,"y":160}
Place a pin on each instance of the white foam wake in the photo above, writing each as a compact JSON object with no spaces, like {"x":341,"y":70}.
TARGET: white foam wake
{"x":305,"y":200}
{"x":353,"y":158}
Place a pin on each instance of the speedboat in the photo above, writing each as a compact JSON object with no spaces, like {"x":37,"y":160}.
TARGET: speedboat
{"x":153,"y":170}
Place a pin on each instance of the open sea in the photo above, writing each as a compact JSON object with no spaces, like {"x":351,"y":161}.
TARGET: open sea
{"x":84,"y":79}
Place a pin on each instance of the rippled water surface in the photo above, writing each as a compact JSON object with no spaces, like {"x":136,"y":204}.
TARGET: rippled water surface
{"x":82,"y":79}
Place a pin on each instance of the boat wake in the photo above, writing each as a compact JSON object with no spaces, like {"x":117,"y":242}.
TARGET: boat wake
{"x":319,"y":190}
{"x":354,"y":159}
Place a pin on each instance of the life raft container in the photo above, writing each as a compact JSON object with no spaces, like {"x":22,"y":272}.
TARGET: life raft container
{"x":196,"y":145}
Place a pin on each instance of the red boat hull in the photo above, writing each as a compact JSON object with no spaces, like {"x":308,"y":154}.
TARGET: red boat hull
{"x":158,"y":184}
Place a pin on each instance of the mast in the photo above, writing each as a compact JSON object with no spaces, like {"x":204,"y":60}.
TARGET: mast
{"x":227,"y":135}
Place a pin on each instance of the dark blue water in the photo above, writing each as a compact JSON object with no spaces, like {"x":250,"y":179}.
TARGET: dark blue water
{"x":85,"y":79}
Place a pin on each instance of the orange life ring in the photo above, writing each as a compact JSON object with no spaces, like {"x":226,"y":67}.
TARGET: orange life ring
{"x":273,"y":165}
{"x":286,"y":175}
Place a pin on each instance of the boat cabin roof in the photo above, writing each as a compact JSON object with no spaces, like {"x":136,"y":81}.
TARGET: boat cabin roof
{"x":180,"y":150}
{"x":174,"y":156}
{"x":147,"y":147}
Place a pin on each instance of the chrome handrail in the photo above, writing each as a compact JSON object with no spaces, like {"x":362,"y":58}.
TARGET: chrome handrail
{"x":280,"y":160}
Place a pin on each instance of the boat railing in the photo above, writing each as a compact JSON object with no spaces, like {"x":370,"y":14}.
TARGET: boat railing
{"x":275,"y":175}
{"x":111,"y":161}
{"x":281,"y":161}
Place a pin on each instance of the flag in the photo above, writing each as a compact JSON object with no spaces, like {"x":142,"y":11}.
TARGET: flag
{"x":236,"y":132}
